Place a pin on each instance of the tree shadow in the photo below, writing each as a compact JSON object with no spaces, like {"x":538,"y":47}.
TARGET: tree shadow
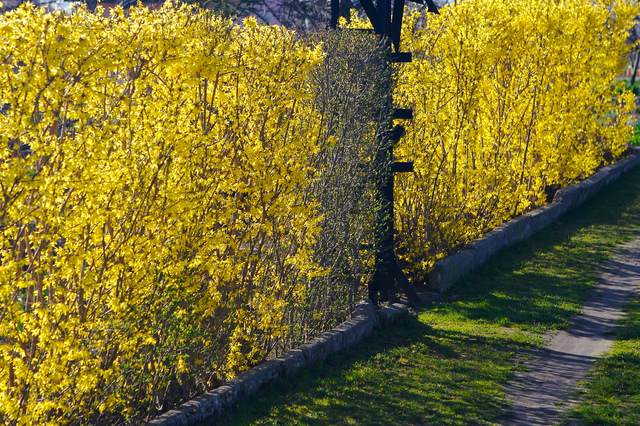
{"x":450,"y":376}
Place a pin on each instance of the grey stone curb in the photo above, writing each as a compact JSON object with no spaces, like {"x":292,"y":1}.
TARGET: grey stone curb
{"x":450,"y":269}
{"x":210,"y":406}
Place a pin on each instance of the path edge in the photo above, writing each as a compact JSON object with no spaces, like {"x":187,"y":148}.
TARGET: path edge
{"x":212,"y":405}
{"x":452,"y":268}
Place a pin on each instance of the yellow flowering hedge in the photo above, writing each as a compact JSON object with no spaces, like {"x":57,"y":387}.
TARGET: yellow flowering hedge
{"x":152,"y":172}
{"x":512,"y":99}
{"x":159,"y":231}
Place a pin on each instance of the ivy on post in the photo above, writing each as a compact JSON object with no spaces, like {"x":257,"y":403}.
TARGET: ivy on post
{"x":386,"y":19}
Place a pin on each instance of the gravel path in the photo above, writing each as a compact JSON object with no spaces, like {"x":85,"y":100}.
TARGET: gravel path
{"x":540,"y":395}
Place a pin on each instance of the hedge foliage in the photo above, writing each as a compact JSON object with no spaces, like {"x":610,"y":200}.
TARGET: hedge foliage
{"x":513,"y":99}
{"x":182,"y":196}
{"x":153,"y":214}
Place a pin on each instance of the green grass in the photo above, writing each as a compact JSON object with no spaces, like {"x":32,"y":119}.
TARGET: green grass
{"x":448,"y":363}
{"x":612,"y":396}
{"x":635,"y":139}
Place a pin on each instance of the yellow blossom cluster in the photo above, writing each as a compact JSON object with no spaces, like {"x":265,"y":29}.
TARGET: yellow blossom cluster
{"x":512,"y":99}
{"x":152,"y":173}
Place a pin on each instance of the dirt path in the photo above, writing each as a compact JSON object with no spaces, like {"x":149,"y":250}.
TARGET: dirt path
{"x":541,"y":394}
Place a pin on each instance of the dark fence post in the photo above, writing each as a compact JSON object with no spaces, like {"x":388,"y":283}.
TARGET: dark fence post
{"x":386,"y":19}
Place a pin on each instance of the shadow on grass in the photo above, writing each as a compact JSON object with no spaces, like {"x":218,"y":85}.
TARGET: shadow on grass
{"x":409,"y":374}
{"x":448,"y":364}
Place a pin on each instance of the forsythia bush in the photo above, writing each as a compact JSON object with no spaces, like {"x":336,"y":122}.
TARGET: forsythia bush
{"x":512,"y":99}
{"x":154,"y":229}
{"x":182,"y":196}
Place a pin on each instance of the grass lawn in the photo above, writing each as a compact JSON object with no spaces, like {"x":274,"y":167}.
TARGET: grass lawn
{"x":612,"y":396}
{"x":448,"y":364}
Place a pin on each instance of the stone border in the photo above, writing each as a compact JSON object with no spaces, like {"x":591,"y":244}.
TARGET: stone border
{"x":449,"y":270}
{"x":210,"y":406}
